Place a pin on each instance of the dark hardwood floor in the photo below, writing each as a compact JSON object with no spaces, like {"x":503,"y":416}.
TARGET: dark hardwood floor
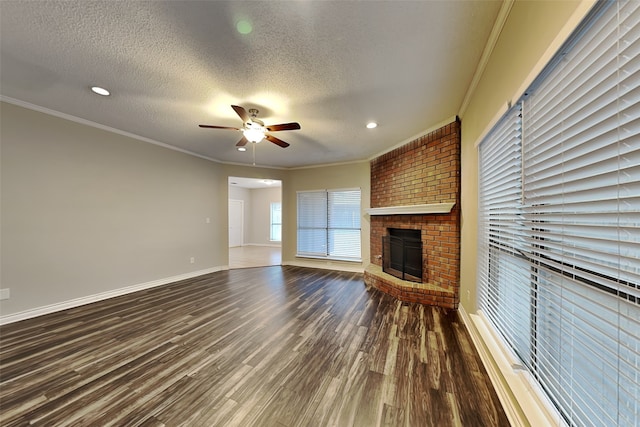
{"x":273,"y":346}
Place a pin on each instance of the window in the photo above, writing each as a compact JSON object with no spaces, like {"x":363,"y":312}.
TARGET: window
{"x":329,"y":224}
{"x":502,"y":237}
{"x":559,"y":223}
{"x":275,"y":230}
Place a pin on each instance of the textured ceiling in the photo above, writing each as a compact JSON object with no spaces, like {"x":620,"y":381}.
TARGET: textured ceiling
{"x":332,"y":66}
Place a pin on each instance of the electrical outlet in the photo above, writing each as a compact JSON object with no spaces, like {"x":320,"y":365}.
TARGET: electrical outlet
{"x":5,"y":293}
{"x":192,"y":260}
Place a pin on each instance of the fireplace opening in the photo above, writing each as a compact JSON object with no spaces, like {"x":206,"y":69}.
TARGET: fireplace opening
{"x":402,"y":254}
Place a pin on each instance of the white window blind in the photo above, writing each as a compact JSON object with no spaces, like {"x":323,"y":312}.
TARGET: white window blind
{"x":344,"y":223}
{"x":312,"y":223}
{"x":566,"y":256}
{"x":329,"y":224}
{"x":505,"y":298}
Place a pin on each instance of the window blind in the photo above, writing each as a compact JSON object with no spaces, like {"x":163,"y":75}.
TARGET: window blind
{"x":562,"y":243}
{"x":505,"y":296}
{"x":344,"y":223}
{"x":329,"y":224}
{"x":312,"y":223}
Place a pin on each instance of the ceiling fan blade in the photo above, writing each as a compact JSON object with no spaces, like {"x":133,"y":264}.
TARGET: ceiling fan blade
{"x":242,"y":142}
{"x":283,"y":126}
{"x":217,"y":127}
{"x":242,"y":113}
{"x":277,"y":141}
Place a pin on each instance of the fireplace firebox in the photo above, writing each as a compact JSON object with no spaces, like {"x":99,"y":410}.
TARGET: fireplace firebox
{"x":402,"y":254}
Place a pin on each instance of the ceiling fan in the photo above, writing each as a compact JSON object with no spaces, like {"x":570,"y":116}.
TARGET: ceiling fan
{"x":254,"y":130}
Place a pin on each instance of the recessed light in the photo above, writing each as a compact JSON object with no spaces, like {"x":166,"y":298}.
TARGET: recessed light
{"x":372,"y":125}
{"x":100,"y":90}
{"x":242,"y":148}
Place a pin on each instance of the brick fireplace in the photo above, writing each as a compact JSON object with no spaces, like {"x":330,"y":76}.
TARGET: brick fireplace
{"x":417,"y":187}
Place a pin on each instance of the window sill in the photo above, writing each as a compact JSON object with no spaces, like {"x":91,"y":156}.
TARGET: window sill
{"x":522,"y":398}
{"x":324,"y":258}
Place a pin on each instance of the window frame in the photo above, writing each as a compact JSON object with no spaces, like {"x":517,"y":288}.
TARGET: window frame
{"x":272,"y":223}
{"x":324,"y":229}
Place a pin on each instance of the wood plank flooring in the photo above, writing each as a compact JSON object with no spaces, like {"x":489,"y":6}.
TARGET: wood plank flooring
{"x":273,"y":346}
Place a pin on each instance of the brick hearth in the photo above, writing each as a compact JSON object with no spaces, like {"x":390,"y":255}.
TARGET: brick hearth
{"x":424,"y":171}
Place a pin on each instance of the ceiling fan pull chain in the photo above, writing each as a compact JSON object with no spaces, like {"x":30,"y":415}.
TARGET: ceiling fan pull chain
{"x":253,"y":144}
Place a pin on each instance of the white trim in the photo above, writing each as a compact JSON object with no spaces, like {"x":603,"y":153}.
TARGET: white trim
{"x":413,"y":138}
{"x":386,"y":150}
{"x":522,"y":399}
{"x":268,"y":245}
{"x":491,"y":124}
{"x":86,"y":122}
{"x":65,"y":305}
{"x":75,"y":119}
{"x":251,"y":165}
{"x":327,"y":165}
{"x":328,"y":258}
{"x":498,"y":25}
{"x":510,"y":406}
{"x":327,"y":265}
{"x":565,"y":32}
{"x":412,"y":209}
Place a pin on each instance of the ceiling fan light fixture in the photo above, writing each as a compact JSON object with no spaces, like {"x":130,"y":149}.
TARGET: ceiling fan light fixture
{"x":254,"y":130}
{"x":254,"y":134}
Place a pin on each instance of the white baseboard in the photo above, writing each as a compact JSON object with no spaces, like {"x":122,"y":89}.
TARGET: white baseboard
{"x":52,"y":308}
{"x":268,"y":245}
{"x":523,"y":401}
{"x":327,"y":265}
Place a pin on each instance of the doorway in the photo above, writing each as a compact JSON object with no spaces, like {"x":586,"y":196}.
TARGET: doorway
{"x":254,"y":222}
{"x":236,"y":223}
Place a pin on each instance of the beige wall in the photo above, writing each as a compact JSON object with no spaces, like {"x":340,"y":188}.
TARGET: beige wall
{"x":352,"y":175}
{"x":260,"y":214}
{"x":86,"y":211}
{"x":532,"y":33}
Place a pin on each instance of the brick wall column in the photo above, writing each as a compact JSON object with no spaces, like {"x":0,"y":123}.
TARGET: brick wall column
{"x":424,"y":171}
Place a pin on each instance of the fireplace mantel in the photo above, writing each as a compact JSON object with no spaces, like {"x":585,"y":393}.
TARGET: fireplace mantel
{"x":417,"y":187}
{"x":431,"y":208}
